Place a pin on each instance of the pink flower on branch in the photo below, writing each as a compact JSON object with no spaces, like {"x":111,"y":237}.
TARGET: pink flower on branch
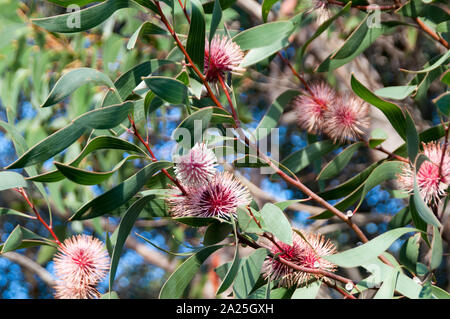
{"x":81,"y":262}
{"x":219,"y":198}
{"x":304,"y":253}
{"x":432,"y":179}
{"x":222,"y":55}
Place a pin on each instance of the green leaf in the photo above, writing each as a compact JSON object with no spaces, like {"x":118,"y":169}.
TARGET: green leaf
{"x":445,"y":78}
{"x":258,"y":54}
{"x":11,"y":180}
{"x":191,"y":128}
{"x":146,"y":28}
{"x":249,"y":273}
{"x":215,"y":19}
{"x":125,"y":226}
{"x":412,"y":138}
{"x":324,"y":26}
{"x":196,"y":221}
{"x":276,"y":223}
{"x":74,"y":79}
{"x":387,"y":289}
{"x":396,"y":92}
{"x":439,"y":293}
{"x":247,"y":223}
{"x":216,"y":232}
{"x":264,"y":35}
{"x":105,"y":118}
{"x":435,"y":65}
{"x":271,"y":118}
{"x":409,"y":252}
{"x":422,"y":209}
{"x":170,"y":90}
{"x":266,"y":6}
{"x":443,"y":103}
{"x":208,"y":5}
{"x":10,"y":211}
{"x":309,"y":291}
{"x":50,"y":146}
{"x":363,"y":254}
{"x":21,"y":237}
{"x":339,"y":162}
{"x":195,"y":45}
{"x":401,"y":219}
{"x":110,"y":295}
{"x":436,"y":249}
{"x":392,"y":111}
{"x":233,"y":270}
{"x":120,"y":194}
{"x":98,"y":143}
{"x":377,"y":137}
{"x":84,"y":177}
{"x":83,"y":20}
{"x":358,"y":41}
{"x":177,"y":283}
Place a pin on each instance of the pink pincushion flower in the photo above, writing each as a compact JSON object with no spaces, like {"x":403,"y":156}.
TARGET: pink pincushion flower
{"x":346,"y":119}
{"x":72,"y":291}
{"x":311,"y":106}
{"x":219,"y":198}
{"x":197,"y":167}
{"x":431,"y":184}
{"x":302,"y":253}
{"x":322,"y":11}
{"x":221,"y":56}
{"x":82,"y":261}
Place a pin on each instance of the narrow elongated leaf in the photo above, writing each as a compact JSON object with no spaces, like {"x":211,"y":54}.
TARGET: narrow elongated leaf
{"x":249,"y":273}
{"x":215,"y":20}
{"x":208,"y":5}
{"x":422,"y":209}
{"x":170,"y":90}
{"x":191,"y":128}
{"x":310,"y":291}
{"x":396,"y":92}
{"x":195,"y":44}
{"x":339,"y":162}
{"x":177,"y":283}
{"x":264,"y":35}
{"x":409,"y":252}
{"x":10,"y":211}
{"x":387,"y":289}
{"x":125,"y":226}
{"x":119,"y":194}
{"x":146,"y":28}
{"x":443,"y":103}
{"x":393,"y":113}
{"x":258,"y":54}
{"x":233,"y":270}
{"x":22,"y":237}
{"x":217,"y":232}
{"x":82,"y":20}
{"x":74,"y":79}
{"x":435,"y":65}
{"x":11,"y":180}
{"x":436,"y":249}
{"x":266,"y":6}
{"x":50,"y":146}
{"x":106,"y":117}
{"x":363,"y":254}
{"x":412,"y":138}
{"x":98,"y":143}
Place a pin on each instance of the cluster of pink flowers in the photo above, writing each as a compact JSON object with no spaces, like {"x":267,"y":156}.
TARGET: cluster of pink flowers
{"x":208,"y":193}
{"x":222,"y":55}
{"x":305,"y":252}
{"x":80,"y":264}
{"x":323,"y":110}
{"x":432,"y":178}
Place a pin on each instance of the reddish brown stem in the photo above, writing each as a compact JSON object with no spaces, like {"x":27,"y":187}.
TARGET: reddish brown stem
{"x":185,"y":12}
{"x":233,"y":110}
{"x":153,"y":157}
{"x":38,"y":216}
{"x":368,"y":7}
{"x":431,"y":33}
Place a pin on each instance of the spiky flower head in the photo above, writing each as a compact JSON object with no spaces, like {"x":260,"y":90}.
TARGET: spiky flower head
{"x":222,"y":55}
{"x":305,"y":252}
{"x":432,"y":180}
{"x":322,"y":11}
{"x":219,"y":198}
{"x":81,"y":262}
{"x":311,"y":106}
{"x":347,"y":118}
{"x":197,"y":167}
